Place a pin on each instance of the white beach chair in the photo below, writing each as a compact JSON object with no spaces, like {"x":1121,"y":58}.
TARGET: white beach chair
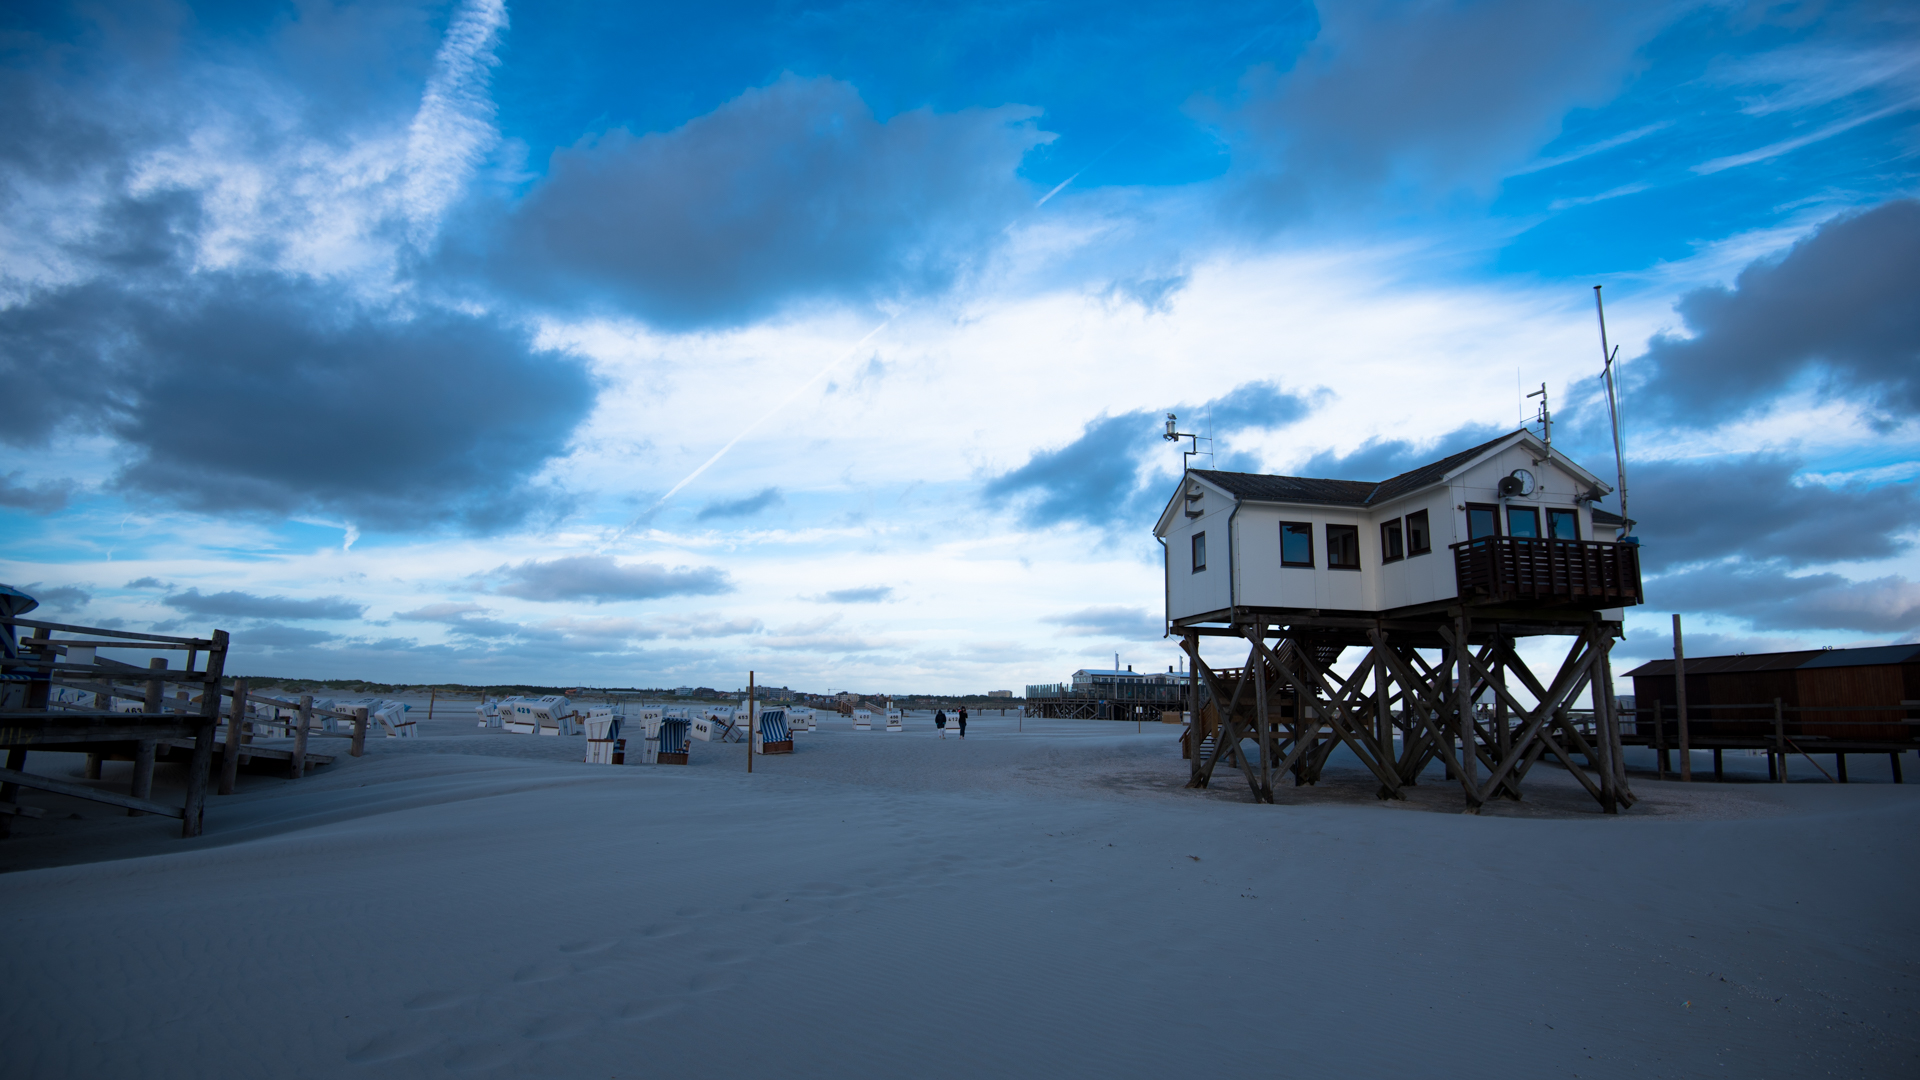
{"x":895,"y":721}
{"x":862,"y":720}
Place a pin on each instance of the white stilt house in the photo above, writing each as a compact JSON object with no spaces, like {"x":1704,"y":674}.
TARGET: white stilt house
{"x":1434,"y":575}
{"x":1507,"y":521}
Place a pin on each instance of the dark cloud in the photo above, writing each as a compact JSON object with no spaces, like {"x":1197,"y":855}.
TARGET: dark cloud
{"x":147,"y":583}
{"x":1097,"y":479}
{"x":1379,"y":459}
{"x":277,"y":636}
{"x":1750,"y":506}
{"x":746,"y":507}
{"x":461,"y":619}
{"x":788,"y":192}
{"x":1120,"y":622}
{"x":600,"y":578}
{"x":44,"y":497}
{"x":1410,"y":98}
{"x":871,"y":594}
{"x":259,"y":392}
{"x":243,"y":605}
{"x":1768,"y":599}
{"x":1838,"y":306}
{"x":58,"y":597}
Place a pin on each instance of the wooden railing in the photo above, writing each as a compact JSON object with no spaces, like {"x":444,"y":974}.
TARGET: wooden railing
{"x":1574,"y":573}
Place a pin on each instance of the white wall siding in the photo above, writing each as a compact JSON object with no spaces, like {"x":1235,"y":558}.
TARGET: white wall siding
{"x":1189,"y":593}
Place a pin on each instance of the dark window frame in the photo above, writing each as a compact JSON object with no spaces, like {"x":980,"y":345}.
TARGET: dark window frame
{"x":1345,"y":530}
{"x":1523,"y":511}
{"x":1426,"y":535}
{"x":1393,"y":541}
{"x":1554,"y":512}
{"x":1200,"y":551}
{"x":1306,"y":529}
{"x":1493,"y":512}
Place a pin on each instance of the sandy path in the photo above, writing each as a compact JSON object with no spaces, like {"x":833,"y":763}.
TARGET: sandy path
{"x":1017,"y":904}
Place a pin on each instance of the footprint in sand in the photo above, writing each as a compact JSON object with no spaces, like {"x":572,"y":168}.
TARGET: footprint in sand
{"x":578,"y":947}
{"x":389,"y":1045}
{"x":541,"y":972}
{"x":651,"y":1009}
{"x":561,"y":1026}
{"x":435,"y":999}
{"x":472,"y":1057}
{"x":662,"y":930}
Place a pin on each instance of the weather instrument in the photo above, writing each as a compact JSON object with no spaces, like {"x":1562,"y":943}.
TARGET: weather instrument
{"x":1519,"y":482}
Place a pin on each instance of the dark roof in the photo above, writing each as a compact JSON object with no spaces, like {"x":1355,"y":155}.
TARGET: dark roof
{"x":1786,"y":661}
{"x":1607,"y":518}
{"x":1303,"y":489}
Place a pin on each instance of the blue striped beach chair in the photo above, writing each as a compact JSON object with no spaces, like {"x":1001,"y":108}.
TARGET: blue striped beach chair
{"x":773,"y":736}
{"x":673,"y":741}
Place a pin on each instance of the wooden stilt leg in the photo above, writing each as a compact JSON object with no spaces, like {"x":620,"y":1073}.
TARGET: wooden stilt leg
{"x":1894,"y":757}
{"x":142,"y":773}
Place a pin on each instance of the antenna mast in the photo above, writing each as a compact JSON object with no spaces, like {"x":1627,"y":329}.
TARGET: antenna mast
{"x":1613,"y":411}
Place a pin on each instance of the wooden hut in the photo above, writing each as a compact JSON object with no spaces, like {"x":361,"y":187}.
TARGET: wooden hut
{"x":1823,"y":701}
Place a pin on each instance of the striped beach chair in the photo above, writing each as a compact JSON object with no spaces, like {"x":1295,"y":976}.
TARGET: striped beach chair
{"x":673,"y":742}
{"x":773,"y":736}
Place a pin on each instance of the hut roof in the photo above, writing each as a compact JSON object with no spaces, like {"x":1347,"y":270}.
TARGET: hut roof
{"x":1783,"y":661}
{"x":1360,"y":493}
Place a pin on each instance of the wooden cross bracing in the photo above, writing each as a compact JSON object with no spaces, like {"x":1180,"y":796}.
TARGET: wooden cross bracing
{"x":1397,"y":712}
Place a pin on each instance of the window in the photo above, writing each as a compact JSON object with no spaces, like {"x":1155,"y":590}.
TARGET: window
{"x":1343,"y":547}
{"x":1482,"y":520}
{"x":1523,"y":521}
{"x":1392,"y":547}
{"x":1419,"y":538}
{"x":1296,"y":544}
{"x":1199,"y":552}
{"x":1563,"y":524}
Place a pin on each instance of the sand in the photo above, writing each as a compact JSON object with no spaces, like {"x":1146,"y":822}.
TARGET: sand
{"x":1049,"y":902}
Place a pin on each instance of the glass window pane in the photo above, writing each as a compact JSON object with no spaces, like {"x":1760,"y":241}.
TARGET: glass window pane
{"x":1523,"y":521}
{"x":1343,"y":547}
{"x":1419,"y":540}
{"x":1563,"y":524}
{"x":1390,"y":541}
{"x":1482,"y":521}
{"x":1296,"y":544}
{"x":1199,"y":552}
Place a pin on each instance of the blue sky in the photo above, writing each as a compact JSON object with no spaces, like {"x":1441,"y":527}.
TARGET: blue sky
{"x":648,"y":346}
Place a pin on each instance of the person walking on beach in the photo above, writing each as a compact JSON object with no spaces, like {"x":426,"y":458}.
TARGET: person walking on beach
{"x":940,"y":721}
{"x":963,"y":721}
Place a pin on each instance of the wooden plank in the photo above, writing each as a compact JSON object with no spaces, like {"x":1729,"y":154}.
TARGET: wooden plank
{"x":359,"y":732}
{"x":16,"y":810}
{"x":81,"y":791}
{"x":13,"y":620}
{"x":79,"y":735}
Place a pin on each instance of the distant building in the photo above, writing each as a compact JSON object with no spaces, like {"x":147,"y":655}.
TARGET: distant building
{"x":1000,"y":693}
{"x":1107,"y":694}
{"x":683,"y":691}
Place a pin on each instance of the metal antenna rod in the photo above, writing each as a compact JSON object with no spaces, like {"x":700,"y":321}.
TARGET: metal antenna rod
{"x":1613,"y":409}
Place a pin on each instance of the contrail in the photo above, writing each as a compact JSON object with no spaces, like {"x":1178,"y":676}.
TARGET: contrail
{"x":744,"y":432}
{"x":1061,"y":186}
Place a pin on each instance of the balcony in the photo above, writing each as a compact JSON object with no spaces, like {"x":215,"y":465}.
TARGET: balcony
{"x":1555,"y":573}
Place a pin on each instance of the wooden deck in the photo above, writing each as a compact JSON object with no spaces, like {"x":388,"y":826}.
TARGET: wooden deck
{"x":1571,"y":573}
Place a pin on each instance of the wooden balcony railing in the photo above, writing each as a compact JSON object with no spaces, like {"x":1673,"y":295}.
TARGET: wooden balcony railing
{"x":1564,"y":573}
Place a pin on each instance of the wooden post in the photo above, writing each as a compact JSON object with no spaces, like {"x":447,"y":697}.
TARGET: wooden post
{"x":1780,"y":738}
{"x":236,"y":719}
{"x":1193,"y":705}
{"x":431,"y":694}
{"x":93,"y":767}
{"x":1263,"y":727}
{"x":1680,"y":700}
{"x":300,"y":736}
{"x":751,"y":729}
{"x":143,"y":753}
{"x":1840,"y":767}
{"x":194,"y":812}
{"x":1893,"y":756}
{"x":1463,"y":696}
{"x":359,"y":732}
